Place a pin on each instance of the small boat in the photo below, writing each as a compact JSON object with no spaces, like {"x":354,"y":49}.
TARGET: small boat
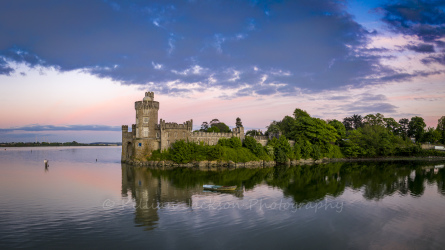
{"x":219,"y":188}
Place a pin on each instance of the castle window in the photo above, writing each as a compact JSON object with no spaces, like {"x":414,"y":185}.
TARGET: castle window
{"x":140,"y":144}
{"x":145,"y":119}
{"x":157,"y":135}
{"x":145,"y":132}
{"x":176,"y":134}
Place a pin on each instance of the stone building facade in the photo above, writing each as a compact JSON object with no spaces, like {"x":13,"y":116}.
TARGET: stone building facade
{"x":148,"y":135}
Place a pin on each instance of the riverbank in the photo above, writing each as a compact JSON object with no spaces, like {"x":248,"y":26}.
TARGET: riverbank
{"x":214,"y":165}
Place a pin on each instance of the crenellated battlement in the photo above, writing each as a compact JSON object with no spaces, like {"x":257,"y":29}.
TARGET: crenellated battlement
{"x":211,"y":134}
{"x":188,"y":125}
{"x":260,"y":137}
{"x":124,"y":128}
{"x":146,"y":105}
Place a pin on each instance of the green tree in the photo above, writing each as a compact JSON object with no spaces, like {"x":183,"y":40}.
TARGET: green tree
{"x":314,"y":130}
{"x":181,"y":152}
{"x":403,"y":129}
{"x":297,"y":150}
{"x":238,"y":122}
{"x":253,"y":146}
{"x":235,"y":142}
{"x":348,"y":122}
{"x":249,"y":142}
{"x":204,"y":126}
{"x":220,"y":125}
{"x":341,"y":130}
{"x":306,"y":149}
{"x":374,"y":120}
{"x":441,"y":129}
{"x":215,"y":152}
{"x":214,"y":121}
{"x":253,"y":132}
{"x":299,"y":113}
{"x":283,"y":143}
{"x":273,"y":128}
{"x":272,"y":142}
{"x":416,"y":128}
{"x":213,"y":129}
{"x":316,"y":152}
{"x":357,"y":121}
{"x":287,"y":126}
{"x":280,"y":155}
{"x":431,"y":135}
{"x":392,"y":125}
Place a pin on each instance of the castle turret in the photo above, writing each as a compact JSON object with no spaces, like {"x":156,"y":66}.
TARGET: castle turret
{"x":146,"y":116}
{"x":124,"y":128}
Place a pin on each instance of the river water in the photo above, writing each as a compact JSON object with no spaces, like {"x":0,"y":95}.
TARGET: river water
{"x":78,"y":202}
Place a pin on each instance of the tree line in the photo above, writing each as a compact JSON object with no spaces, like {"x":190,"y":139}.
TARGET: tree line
{"x":370,"y":136}
{"x":216,"y":126}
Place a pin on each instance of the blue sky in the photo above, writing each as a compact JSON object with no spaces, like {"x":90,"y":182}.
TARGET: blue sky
{"x":215,"y":59}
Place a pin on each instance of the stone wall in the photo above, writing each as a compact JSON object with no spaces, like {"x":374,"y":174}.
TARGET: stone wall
{"x":211,"y":138}
{"x":203,"y":165}
{"x":127,"y":146}
{"x":262,"y":139}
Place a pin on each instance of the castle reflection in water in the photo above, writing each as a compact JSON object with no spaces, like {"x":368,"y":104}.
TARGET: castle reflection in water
{"x":151,"y":190}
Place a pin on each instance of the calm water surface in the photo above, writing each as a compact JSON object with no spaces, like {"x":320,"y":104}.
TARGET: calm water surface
{"x":80,"y":203}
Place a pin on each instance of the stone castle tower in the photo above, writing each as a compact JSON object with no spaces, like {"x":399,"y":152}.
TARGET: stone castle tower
{"x":146,"y":116}
{"x":148,"y":135}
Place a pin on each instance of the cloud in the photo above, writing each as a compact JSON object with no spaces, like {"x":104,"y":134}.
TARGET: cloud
{"x":156,"y":65}
{"x":440,"y":58}
{"x":370,"y":104}
{"x":180,"y":35}
{"x":422,"y":48}
{"x":338,"y":97}
{"x":4,"y":67}
{"x":424,"y":19}
{"x":37,"y":127}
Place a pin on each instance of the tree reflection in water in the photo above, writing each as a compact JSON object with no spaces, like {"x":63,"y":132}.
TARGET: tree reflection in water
{"x":154,"y":189}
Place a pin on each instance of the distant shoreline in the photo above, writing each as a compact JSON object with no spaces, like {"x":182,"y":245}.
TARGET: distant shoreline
{"x":57,"y":145}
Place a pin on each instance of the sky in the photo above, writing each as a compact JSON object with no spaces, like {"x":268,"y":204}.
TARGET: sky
{"x":72,"y":70}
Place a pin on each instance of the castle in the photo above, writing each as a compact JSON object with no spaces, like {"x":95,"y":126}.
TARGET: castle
{"x":148,"y":135}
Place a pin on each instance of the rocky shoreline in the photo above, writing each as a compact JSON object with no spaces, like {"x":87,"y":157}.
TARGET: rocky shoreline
{"x":215,"y":165}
